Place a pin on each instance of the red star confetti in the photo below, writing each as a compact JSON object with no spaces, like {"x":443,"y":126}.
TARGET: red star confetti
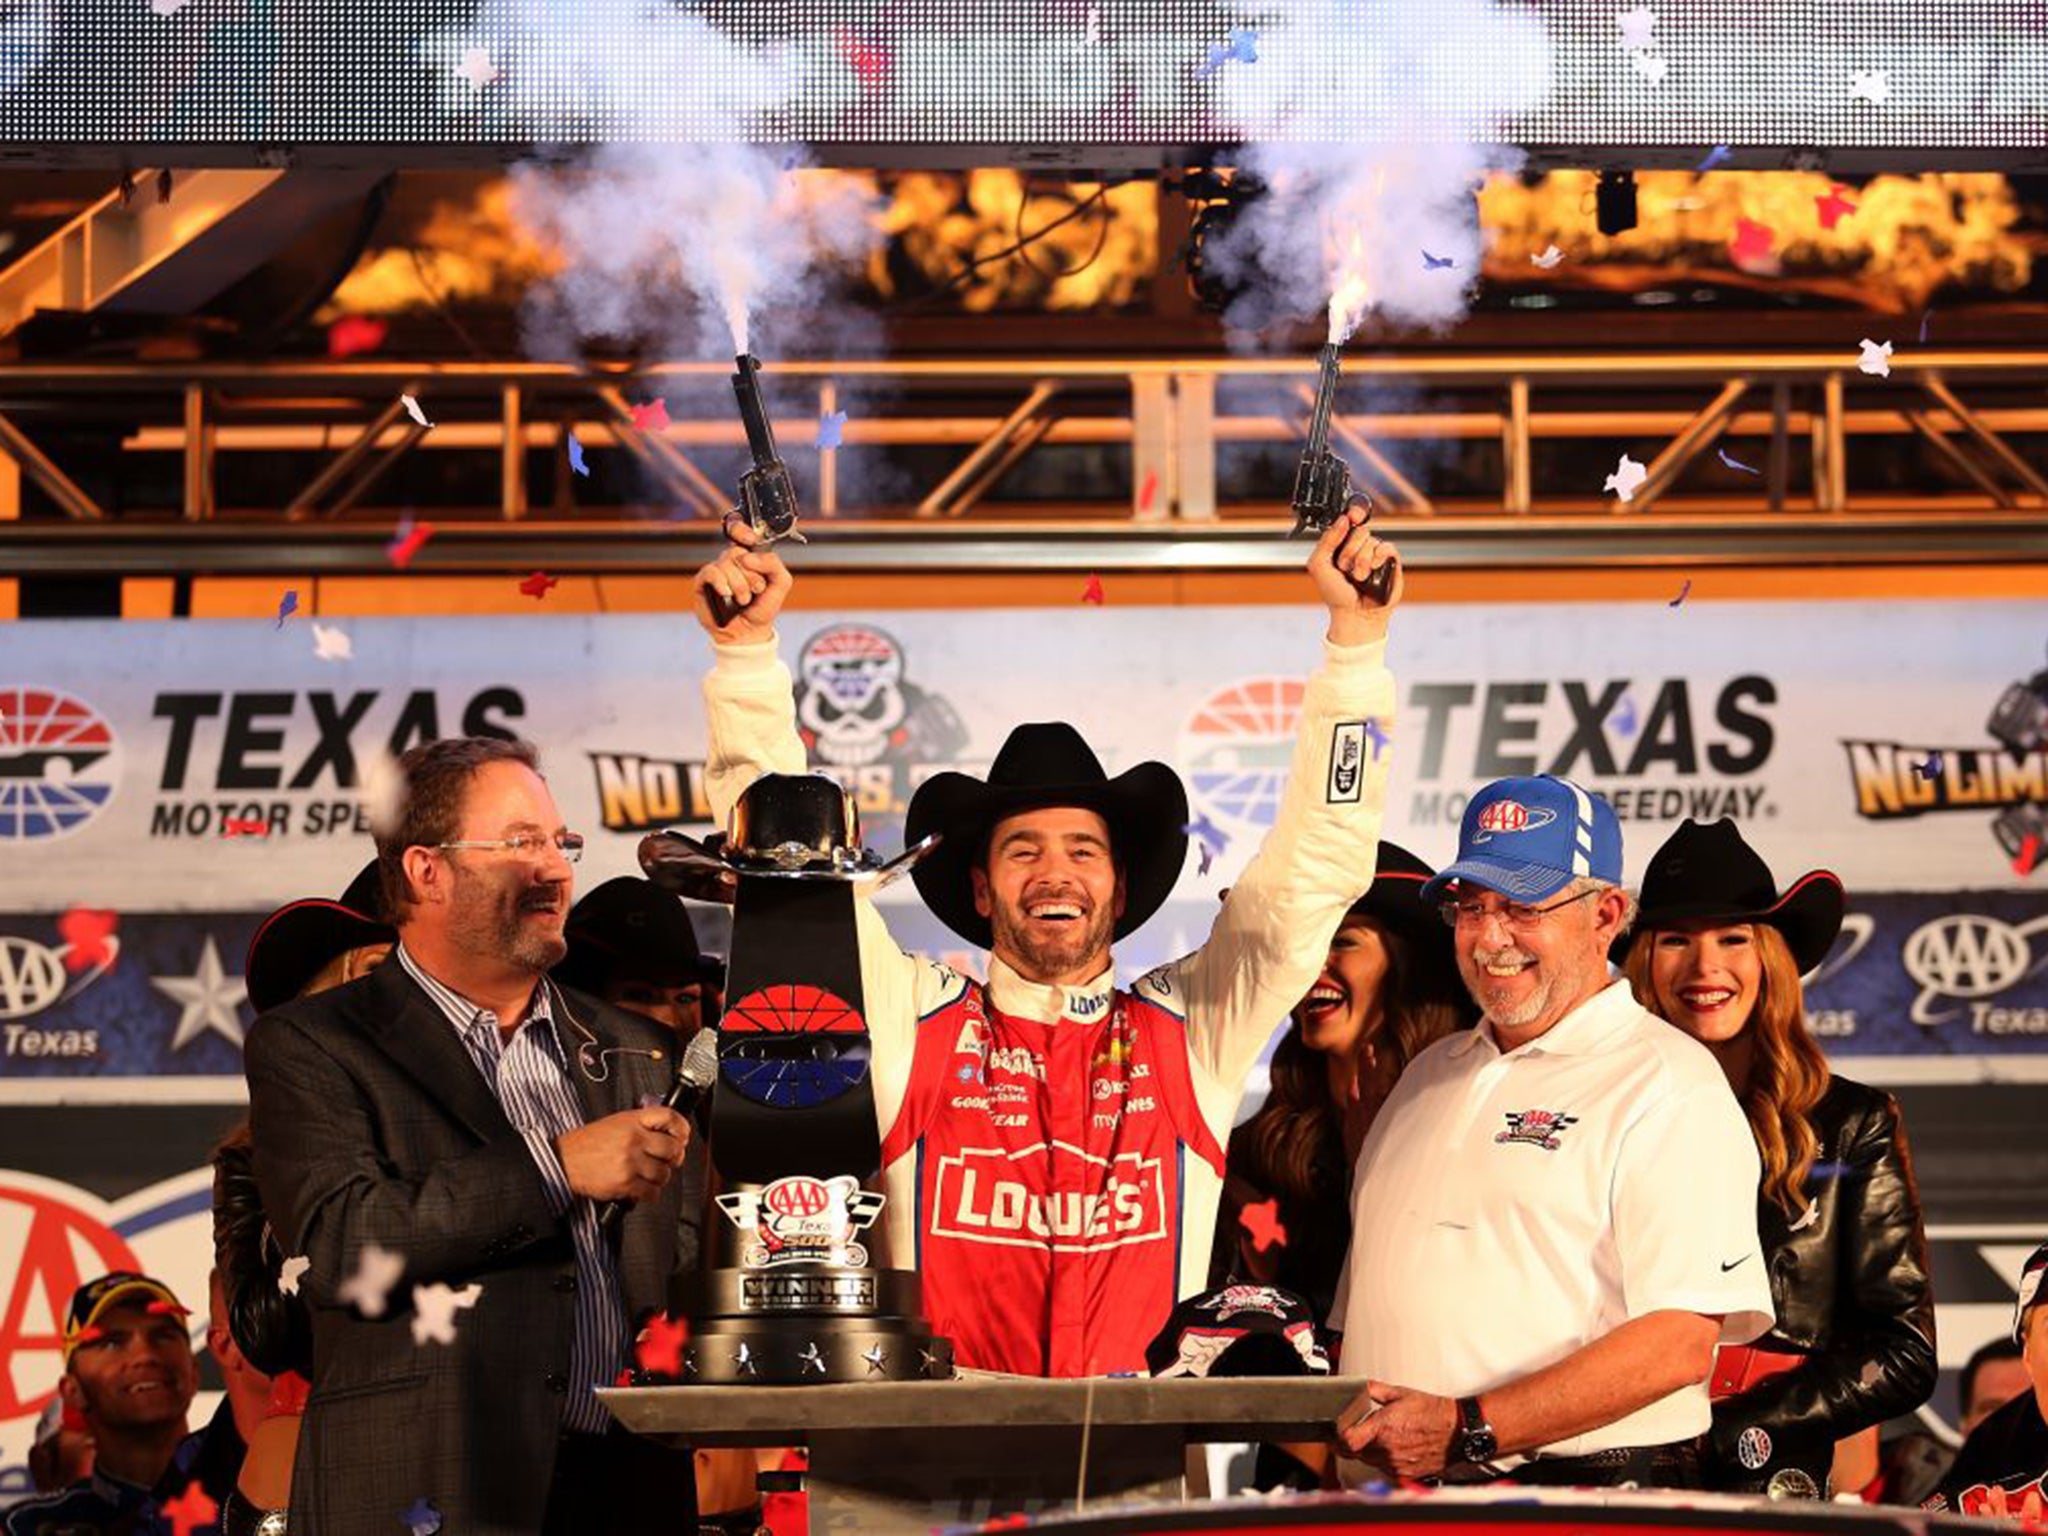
{"x":90,"y":1336}
{"x":412,"y":537}
{"x":651,"y":417}
{"x":624,"y":1378}
{"x":870,"y":64}
{"x":1092,"y":593}
{"x":659,"y":1348}
{"x":2029,"y":855}
{"x":352,"y":335}
{"x":190,"y":1510}
{"x":1148,"y":490}
{"x":166,"y":1309}
{"x":1834,"y":207}
{"x":244,"y":826}
{"x":538,"y":585}
{"x":86,"y":934}
{"x":1752,"y":243}
{"x":1262,"y":1221}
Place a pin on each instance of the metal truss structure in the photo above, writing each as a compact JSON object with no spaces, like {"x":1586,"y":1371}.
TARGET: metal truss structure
{"x":1521,"y":431}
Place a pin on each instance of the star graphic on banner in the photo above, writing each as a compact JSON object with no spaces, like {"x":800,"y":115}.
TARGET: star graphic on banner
{"x":875,"y":1358}
{"x":212,"y":1000}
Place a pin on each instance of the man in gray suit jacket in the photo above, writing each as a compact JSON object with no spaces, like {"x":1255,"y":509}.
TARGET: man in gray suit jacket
{"x":435,"y":1140}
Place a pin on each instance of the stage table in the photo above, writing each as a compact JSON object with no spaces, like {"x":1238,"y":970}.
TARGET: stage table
{"x":910,"y":1455}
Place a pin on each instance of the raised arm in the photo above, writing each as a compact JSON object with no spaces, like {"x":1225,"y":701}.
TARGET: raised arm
{"x":1274,"y":931}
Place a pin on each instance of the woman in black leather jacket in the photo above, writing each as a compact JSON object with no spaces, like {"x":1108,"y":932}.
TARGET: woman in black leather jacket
{"x":1718,"y":953}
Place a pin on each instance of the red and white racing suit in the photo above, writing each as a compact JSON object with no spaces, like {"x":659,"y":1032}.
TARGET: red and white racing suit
{"x":1053,"y":1156}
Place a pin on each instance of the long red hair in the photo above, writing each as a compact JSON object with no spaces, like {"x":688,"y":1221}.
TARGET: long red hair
{"x":1788,"y":1072}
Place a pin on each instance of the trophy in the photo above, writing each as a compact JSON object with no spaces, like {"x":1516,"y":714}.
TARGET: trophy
{"x":791,"y":1293}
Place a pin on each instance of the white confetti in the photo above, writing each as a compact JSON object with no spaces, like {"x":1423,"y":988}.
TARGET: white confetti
{"x":1871,"y":85}
{"x":1550,"y":258}
{"x":1627,"y":478}
{"x":1876,"y":359}
{"x":331,"y":643}
{"x":291,"y":1272}
{"x":1637,"y":25}
{"x":167,"y":7}
{"x":1651,"y":66}
{"x":434,"y":1308}
{"x":476,"y":67}
{"x":368,"y":1290}
{"x":412,"y":409}
{"x":383,"y":784}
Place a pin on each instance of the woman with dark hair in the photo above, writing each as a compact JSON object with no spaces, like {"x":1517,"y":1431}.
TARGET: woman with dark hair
{"x":1388,"y":989}
{"x":1719,"y":953}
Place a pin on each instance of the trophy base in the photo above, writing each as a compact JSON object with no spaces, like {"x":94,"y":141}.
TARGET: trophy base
{"x":812,"y":1351}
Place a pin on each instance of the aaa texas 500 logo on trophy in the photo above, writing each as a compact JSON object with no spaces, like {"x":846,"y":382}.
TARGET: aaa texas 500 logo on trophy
{"x":791,"y":1295}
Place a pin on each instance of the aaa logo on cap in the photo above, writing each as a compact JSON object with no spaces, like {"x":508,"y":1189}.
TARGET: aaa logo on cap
{"x":1510,"y":816}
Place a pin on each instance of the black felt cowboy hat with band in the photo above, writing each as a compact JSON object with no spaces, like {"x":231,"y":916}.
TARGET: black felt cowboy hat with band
{"x":298,"y":939}
{"x":1708,"y":874}
{"x":632,"y":929}
{"x":1044,"y":765}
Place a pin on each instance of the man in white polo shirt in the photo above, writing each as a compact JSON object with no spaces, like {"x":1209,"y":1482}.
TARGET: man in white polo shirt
{"x":1554,"y":1216}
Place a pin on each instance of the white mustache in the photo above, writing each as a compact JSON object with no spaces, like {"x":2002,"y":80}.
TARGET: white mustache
{"x":1503,"y":957}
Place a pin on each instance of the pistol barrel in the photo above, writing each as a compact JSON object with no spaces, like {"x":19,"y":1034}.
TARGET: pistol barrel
{"x":746,"y":387}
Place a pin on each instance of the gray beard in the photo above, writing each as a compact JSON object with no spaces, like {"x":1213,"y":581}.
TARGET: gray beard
{"x":485,"y":930}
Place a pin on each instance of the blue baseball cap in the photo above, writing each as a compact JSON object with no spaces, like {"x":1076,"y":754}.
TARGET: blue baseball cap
{"x":1530,"y":838}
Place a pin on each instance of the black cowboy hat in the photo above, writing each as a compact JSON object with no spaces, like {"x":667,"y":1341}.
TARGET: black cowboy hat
{"x":1708,"y":874}
{"x":1394,"y":901}
{"x":300,"y":937}
{"x":631,"y":927}
{"x":1043,"y":765}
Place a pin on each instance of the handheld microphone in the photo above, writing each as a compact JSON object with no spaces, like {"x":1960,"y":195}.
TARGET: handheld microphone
{"x":695,"y":1074}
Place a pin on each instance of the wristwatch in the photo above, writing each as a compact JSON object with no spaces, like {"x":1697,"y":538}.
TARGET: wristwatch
{"x":1475,"y":1440}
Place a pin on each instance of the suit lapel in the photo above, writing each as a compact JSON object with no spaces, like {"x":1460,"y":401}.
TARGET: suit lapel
{"x":412,"y":1031}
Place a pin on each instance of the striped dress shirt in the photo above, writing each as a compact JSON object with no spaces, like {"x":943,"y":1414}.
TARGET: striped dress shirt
{"x":530,"y":1077}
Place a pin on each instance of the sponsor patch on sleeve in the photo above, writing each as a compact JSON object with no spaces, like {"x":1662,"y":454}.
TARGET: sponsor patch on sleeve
{"x":1347,"y":762}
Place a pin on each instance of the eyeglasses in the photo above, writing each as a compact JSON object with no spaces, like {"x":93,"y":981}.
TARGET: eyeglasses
{"x":528,"y":845}
{"x":1513,"y":913}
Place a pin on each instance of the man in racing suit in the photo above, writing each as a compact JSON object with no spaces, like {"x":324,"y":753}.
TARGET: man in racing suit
{"x":1057,"y":1140}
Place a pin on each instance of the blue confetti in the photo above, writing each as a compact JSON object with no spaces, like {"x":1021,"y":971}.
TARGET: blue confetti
{"x":288,"y":607}
{"x":1716,"y":156}
{"x":1203,"y":858}
{"x":831,"y":428}
{"x":576,"y":454}
{"x":1242,"y":48}
{"x":1924,"y":319}
{"x":421,"y":1518}
{"x":1931,"y":769}
{"x":1210,"y":835}
{"x":1379,"y":738}
{"x":1734,"y":463}
{"x":1831,"y":1170}
{"x":1435,"y":263}
{"x":1625,"y":718}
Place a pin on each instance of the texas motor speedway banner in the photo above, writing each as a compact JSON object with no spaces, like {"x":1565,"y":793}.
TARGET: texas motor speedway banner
{"x":1900,"y":744}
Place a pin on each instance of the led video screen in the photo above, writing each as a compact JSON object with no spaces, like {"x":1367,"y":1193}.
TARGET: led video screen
{"x":161,"y":80}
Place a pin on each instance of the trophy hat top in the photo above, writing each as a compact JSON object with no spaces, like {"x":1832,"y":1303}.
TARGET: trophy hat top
{"x":785,"y":826}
